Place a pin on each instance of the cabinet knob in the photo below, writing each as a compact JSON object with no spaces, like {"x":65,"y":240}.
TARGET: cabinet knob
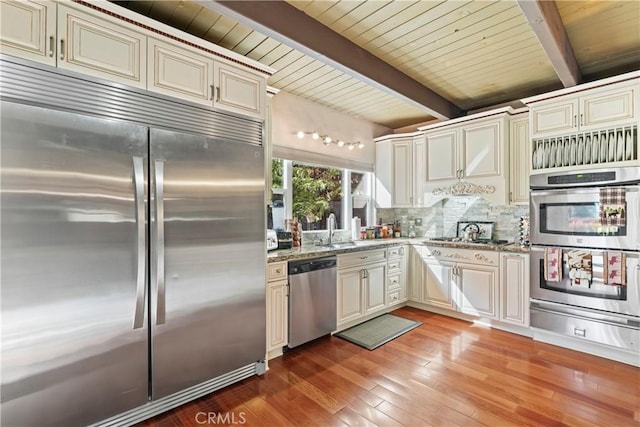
{"x":62,"y":49}
{"x":52,"y":46}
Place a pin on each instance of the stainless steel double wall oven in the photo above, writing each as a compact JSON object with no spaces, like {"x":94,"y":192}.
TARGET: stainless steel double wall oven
{"x":566,"y":215}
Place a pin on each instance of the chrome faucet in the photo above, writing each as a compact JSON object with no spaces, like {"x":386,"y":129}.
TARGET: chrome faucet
{"x":331,"y":226}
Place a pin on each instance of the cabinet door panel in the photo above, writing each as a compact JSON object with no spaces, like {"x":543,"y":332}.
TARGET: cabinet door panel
{"x":515,"y":290}
{"x":419,"y":169}
{"x":553,"y":118}
{"x":28,"y":30}
{"x":479,"y":291}
{"x":349,"y":294}
{"x":239,"y":91}
{"x":520,"y":161}
{"x":180,"y":71}
{"x":482,"y":150}
{"x":402,"y":180}
{"x":442,"y":155}
{"x":606,"y":108}
{"x":277,"y":315}
{"x":375,"y":294}
{"x":102,"y":48}
{"x":416,"y":276}
{"x":438,"y":284}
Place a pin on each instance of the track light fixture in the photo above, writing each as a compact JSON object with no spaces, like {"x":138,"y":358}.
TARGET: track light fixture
{"x":327,"y":140}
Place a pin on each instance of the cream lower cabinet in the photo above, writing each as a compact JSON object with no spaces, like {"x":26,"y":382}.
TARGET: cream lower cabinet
{"x":28,"y":30}
{"x":477,"y":290}
{"x":459,"y":280}
{"x":277,"y":308}
{"x":438,"y":284}
{"x":362,"y":286}
{"x":514,"y":288}
{"x":397,"y":273}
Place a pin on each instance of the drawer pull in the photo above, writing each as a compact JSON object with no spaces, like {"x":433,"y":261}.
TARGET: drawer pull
{"x":278,"y":271}
{"x":364,"y":257}
{"x":579,"y":332}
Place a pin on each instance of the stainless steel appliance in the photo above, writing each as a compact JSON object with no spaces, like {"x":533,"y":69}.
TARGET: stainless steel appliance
{"x":312,"y":299}
{"x":132,"y":250}
{"x":565,"y":209}
{"x":565,"y":215}
{"x":272,"y":240}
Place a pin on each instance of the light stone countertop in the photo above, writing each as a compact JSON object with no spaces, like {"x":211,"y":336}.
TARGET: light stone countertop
{"x":365,"y":245}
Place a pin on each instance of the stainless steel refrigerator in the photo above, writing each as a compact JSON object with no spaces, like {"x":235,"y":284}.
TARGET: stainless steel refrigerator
{"x":132,"y":249}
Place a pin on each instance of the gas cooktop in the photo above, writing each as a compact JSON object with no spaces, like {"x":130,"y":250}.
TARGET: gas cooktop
{"x":460,"y":240}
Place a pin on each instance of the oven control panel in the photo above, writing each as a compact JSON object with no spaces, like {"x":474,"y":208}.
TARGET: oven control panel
{"x":581,"y":178}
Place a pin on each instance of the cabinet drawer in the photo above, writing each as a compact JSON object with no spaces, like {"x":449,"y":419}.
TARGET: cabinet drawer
{"x":361,"y":258}
{"x":467,"y":256}
{"x":396,"y":252}
{"x":393,"y":282}
{"x":393,"y":297}
{"x":395,"y":266}
{"x":276,"y":271}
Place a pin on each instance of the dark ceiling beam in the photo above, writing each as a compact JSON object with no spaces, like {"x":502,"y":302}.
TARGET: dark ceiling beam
{"x":288,"y":25}
{"x":546,"y":22}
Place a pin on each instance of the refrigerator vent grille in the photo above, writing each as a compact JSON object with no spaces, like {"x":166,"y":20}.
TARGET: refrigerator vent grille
{"x":42,"y":85}
{"x":159,"y":406}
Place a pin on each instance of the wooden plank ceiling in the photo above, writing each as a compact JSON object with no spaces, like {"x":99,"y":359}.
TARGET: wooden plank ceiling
{"x":474,"y":53}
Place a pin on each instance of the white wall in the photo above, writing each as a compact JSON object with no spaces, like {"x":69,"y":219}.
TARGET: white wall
{"x":291,"y":113}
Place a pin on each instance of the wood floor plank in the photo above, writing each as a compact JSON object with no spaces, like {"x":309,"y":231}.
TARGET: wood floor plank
{"x":446,"y":372}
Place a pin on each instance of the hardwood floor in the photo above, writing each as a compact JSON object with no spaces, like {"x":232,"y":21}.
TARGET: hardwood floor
{"x":446,"y":372}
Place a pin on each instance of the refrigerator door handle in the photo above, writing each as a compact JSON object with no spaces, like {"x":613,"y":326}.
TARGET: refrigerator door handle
{"x":138,"y":180}
{"x":160,"y":288}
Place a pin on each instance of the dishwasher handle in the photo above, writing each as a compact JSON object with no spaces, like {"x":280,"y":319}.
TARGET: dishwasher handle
{"x":313,"y":264}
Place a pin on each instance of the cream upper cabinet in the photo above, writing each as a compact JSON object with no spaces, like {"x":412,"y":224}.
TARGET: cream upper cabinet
{"x":520,"y":164}
{"x":442,"y":151}
{"x":399,"y":171}
{"x":101,"y":47}
{"x":28,"y":30}
{"x":554,"y":118}
{"x":474,"y":152}
{"x":177,"y":70}
{"x":608,"y":107}
{"x":514,"y":288}
{"x":238,"y":90}
{"x":602,"y":107}
{"x":482,"y":152}
{"x":402,"y":177}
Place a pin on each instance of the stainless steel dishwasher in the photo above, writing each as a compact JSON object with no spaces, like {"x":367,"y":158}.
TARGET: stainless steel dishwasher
{"x":312,"y":299}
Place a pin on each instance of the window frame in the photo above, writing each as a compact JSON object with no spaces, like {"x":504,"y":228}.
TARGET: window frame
{"x":347,"y":194}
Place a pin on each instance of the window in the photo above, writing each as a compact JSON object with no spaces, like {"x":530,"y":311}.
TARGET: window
{"x":311,"y":192}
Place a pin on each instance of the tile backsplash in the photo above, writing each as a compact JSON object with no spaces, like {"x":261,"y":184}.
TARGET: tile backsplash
{"x":441,"y":219}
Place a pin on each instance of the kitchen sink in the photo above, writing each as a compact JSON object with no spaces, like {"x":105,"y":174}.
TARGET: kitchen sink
{"x":339,"y":245}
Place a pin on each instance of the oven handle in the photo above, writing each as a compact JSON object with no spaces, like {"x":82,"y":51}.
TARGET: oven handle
{"x":611,"y":319}
{"x":576,"y":190}
{"x":541,"y":248}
